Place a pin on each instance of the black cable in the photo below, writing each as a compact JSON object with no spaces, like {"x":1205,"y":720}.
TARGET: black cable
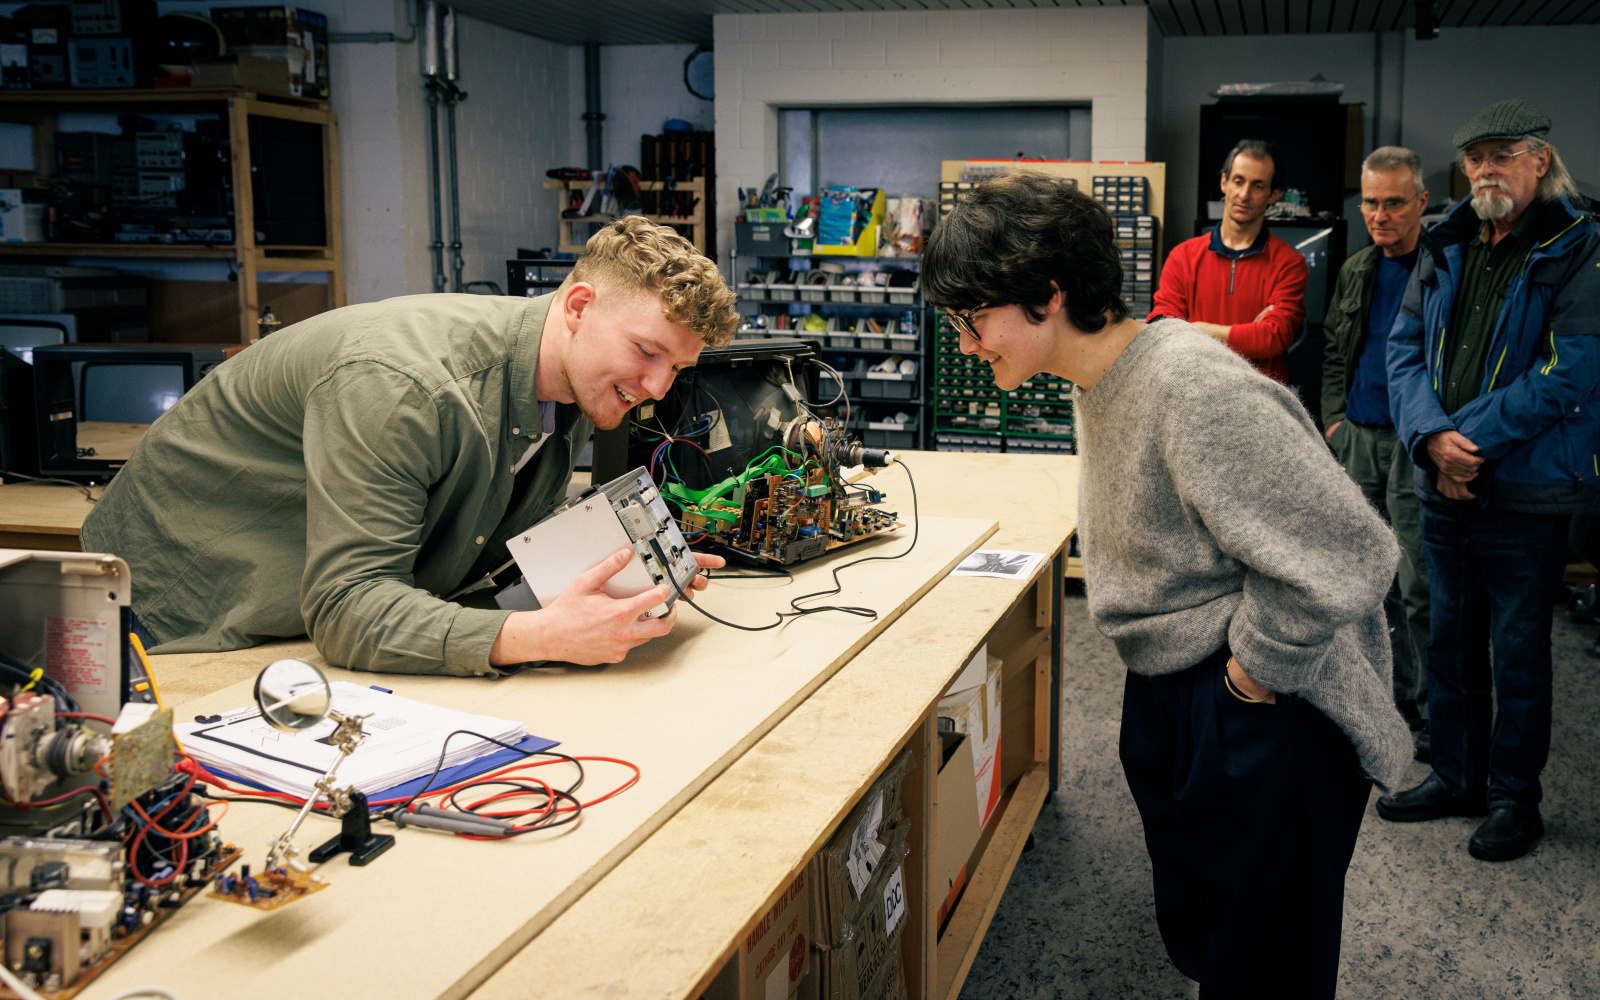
{"x":837,"y":586}
{"x":780,"y":575}
{"x":393,"y":811}
{"x":19,"y":673}
{"x":87,"y":492}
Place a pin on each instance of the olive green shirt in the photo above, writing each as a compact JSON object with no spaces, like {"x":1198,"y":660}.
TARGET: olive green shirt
{"x":1486,"y":272}
{"x":337,"y":477}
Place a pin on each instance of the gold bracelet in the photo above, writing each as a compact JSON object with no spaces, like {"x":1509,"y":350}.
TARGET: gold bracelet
{"x":1235,"y":691}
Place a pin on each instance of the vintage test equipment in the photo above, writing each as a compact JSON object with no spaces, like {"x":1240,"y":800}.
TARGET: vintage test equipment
{"x":627,"y":512}
{"x":102,"y":838}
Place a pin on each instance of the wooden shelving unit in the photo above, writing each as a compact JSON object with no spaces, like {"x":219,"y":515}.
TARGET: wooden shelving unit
{"x":695,"y":221}
{"x":41,"y":108}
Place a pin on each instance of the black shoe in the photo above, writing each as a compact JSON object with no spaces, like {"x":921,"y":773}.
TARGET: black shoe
{"x":1424,"y":746}
{"x":1429,"y":800}
{"x":1506,"y":834}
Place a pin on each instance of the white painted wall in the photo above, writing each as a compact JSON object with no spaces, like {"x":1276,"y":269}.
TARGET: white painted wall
{"x":365,"y":81}
{"x":512,"y":127}
{"x":641,"y":86}
{"x":1421,"y":92}
{"x":765,"y":61}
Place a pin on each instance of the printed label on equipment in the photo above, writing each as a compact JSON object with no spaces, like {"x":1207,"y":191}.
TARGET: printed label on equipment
{"x":719,"y":433}
{"x":75,"y":653}
{"x":865,"y":851}
{"x":894,"y":900}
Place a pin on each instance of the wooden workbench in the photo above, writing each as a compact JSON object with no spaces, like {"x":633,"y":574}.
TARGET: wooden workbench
{"x":683,"y":707}
{"x":667,"y":920}
{"x":35,"y":516}
{"x":660,"y":913}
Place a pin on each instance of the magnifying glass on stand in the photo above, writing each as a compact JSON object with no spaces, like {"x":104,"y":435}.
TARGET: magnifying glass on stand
{"x":294,"y":696}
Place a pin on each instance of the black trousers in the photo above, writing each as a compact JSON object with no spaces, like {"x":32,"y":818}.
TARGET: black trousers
{"x":1250,"y":815}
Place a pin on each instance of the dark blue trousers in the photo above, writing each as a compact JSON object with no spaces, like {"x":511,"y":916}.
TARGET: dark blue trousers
{"x":1494,"y":575}
{"x":1250,"y":815}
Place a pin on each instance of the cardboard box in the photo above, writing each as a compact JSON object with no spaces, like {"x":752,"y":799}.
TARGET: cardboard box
{"x":967,"y":789}
{"x":839,"y":893}
{"x":850,"y":868}
{"x":268,"y":76}
{"x":868,"y":961}
{"x":291,"y":35}
{"x":956,"y":828}
{"x":976,"y":712}
{"x":776,"y":951}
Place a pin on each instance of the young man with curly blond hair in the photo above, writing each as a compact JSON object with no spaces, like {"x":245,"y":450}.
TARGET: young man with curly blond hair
{"x":338,"y":477}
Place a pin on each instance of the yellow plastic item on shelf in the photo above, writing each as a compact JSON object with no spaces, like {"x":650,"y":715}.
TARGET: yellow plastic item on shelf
{"x":866,"y":245}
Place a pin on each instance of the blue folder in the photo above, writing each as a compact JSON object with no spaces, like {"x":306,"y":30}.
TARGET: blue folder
{"x":478,"y":765}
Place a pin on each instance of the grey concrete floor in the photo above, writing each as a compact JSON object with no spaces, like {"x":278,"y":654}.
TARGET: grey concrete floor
{"x":1422,"y":919}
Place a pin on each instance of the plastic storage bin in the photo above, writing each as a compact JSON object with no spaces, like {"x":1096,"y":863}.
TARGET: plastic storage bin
{"x":883,"y":385}
{"x":840,"y":333}
{"x":869,"y":340}
{"x":842,"y":288}
{"x":781,"y":286}
{"x":812,"y":286}
{"x":753,"y":287}
{"x":904,"y":295}
{"x":869,"y":291}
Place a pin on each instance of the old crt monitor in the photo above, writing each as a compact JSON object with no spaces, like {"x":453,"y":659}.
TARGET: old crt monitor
{"x":92,"y":402}
{"x":741,"y":382}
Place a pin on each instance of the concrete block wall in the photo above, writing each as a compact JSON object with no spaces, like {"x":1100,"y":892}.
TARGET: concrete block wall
{"x":1097,"y":56}
{"x":513,"y":127}
{"x":641,"y":86}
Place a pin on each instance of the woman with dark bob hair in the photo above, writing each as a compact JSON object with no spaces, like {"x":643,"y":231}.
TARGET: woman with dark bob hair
{"x":1236,"y":567}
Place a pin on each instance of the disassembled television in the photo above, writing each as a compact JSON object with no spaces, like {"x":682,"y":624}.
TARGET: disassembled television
{"x":102,"y":836}
{"x":752,"y":447}
{"x":792,"y":503}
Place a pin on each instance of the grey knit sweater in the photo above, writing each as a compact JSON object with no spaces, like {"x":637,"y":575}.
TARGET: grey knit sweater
{"x":1210,"y":511}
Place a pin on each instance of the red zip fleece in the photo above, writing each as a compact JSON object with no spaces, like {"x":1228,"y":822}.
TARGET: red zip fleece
{"x":1203,"y":281}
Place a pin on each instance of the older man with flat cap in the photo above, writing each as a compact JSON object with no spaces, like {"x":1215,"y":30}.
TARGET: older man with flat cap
{"x":1493,"y":367}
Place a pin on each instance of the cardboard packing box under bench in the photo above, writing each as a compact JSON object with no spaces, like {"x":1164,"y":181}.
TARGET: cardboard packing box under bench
{"x":968,"y":787}
{"x":776,"y":952}
{"x":858,"y":897}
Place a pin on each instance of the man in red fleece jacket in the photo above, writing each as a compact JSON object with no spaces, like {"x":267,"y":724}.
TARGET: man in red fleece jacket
{"x":1238,"y":283}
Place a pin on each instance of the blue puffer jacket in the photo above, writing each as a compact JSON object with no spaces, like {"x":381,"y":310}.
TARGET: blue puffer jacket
{"x":1536,"y":418}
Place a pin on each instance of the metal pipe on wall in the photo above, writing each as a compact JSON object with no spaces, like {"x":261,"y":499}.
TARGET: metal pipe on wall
{"x":430,"y":72}
{"x":447,"y":42}
{"x":430,"y":39}
{"x":592,"y":116}
{"x":456,"y":95}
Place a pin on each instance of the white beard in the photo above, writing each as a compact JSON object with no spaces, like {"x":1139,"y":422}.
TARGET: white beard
{"x":1492,"y":203}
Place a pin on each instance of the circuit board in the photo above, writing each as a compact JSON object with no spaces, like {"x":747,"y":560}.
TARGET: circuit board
{"x":266,"y":890}
{"x":122,"y":945}
{"x":782,"y":519}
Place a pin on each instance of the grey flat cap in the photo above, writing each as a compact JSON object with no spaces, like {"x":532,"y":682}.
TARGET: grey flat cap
{"x":1503,"y":120}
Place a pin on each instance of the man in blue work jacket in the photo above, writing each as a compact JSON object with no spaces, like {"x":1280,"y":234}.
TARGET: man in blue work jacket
{"x":1493,"y":366}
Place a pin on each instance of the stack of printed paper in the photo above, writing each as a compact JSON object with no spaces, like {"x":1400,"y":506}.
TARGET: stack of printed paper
{"x":403,"y":741}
